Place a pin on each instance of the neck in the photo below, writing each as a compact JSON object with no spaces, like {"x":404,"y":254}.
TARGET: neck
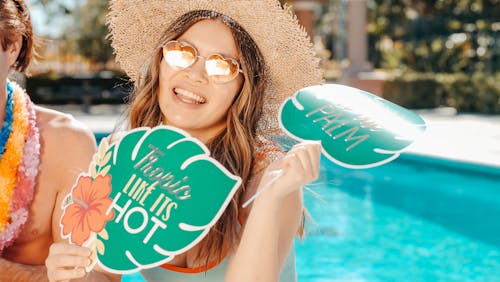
{"x":203,"y":137}
{"x":3,"y":100}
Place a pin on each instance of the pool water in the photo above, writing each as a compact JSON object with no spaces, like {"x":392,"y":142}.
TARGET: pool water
{"x":415,"y":219}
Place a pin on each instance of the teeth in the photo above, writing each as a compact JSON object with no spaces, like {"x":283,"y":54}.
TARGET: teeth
{"x":190,"y":95}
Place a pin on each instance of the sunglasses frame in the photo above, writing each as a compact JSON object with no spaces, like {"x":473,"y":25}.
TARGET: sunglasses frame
{"x":197,"y":56}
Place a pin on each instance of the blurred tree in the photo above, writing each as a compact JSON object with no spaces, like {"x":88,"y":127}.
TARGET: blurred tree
{"x":435,"y":35}
{"x":52,"y":7}
{"x":88,"y":34}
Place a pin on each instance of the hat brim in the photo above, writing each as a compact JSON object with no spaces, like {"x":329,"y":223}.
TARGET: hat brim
{"x":137,"y":25}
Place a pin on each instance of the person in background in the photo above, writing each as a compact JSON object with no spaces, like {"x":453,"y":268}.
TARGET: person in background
{"x":220,"y":70}
{"x":41,"y":153}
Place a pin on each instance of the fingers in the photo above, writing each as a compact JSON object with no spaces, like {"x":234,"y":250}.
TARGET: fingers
{"x":308,"y":154}
{"x":299,"y":167}
{"x":69,"y":249}
{"x":66,"y":274}
{"x":66,"y":262}
{"x":302,"y":156}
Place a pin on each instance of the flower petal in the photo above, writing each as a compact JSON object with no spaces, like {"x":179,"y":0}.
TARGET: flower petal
{"x":101,"y":186}
{"x":97,"y":214}
{"x":82,"y":188}
{"x":81,"y":232}
{"x":71,"y":217}
{"x":96,"y":221}
{"x":102,"y":204}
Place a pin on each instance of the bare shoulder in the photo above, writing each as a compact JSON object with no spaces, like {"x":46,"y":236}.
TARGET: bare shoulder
{"x":67,"y":147}
{"x":63,"y":129}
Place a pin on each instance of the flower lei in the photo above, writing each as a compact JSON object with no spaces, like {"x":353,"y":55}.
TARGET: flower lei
{"x":7,"y":123}
{"x":18,"y":168}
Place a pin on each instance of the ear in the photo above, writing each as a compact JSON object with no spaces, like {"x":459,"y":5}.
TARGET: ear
{"x":13,"y":51}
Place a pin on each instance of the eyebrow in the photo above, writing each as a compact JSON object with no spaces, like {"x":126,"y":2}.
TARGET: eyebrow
{"x":210,"y":53}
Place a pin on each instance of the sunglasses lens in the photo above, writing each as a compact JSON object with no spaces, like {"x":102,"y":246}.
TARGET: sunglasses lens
{"x":221,"y":70}
{"x":179,"y":56}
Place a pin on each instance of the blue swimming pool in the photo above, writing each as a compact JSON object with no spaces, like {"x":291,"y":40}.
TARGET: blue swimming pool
{"x":414,"y":219}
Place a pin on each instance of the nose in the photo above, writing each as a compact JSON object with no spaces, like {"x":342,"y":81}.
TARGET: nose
{"x":197,"y":72}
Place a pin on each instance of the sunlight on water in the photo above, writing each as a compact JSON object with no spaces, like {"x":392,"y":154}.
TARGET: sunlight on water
{"x":402,"y":222}
{"x":405,"y":221}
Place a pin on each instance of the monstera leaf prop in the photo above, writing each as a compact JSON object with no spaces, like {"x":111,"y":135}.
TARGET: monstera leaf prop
{"x":165,"y":193}
{"x":356,"y":129}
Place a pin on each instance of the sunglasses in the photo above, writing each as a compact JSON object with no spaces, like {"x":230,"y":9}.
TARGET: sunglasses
{"x":181,"y":55}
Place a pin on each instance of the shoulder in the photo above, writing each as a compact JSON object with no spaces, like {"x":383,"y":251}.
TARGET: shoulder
{"x":265,"y":152}
{"x":63,"y":129}
{"x":67,"y":147}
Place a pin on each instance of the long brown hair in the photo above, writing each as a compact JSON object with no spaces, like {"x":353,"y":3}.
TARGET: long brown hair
{"x":15,"y":20}
{"x":234,"y":146}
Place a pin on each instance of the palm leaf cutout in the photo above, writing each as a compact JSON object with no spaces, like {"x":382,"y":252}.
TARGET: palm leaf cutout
{"x":357,"y":129}
{"x":167,"y":194}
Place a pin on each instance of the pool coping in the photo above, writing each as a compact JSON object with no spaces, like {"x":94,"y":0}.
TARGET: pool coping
{"x":452,"y":164}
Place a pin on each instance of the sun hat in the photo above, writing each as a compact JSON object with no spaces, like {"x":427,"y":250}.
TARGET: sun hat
{"x":137,"y":25}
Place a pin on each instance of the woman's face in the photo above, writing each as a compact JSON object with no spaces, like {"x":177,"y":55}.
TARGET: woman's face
{"x":4,"y":66}
{"x":8,"y":58}
{"x":188,"y":98}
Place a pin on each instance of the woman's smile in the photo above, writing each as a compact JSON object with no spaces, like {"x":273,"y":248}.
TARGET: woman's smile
{"x":189,"y":97}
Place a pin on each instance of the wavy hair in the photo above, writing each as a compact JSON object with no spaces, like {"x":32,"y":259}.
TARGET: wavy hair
{"x":15,"y":20}
{"x":234,"y":146}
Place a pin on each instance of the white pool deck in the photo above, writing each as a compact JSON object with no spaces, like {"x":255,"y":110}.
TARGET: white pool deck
{"x":463,"y":137}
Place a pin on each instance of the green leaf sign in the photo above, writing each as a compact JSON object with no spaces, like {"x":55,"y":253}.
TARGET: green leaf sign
{"x":356,"y":129}
{"x":147,"y":198}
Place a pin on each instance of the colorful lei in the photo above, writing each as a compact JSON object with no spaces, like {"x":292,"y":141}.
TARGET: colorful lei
{"x":18,"y":168}
{"x":7,"y":123}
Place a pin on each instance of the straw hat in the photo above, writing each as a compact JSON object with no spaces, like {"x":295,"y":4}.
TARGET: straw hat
{"x":137,"y":25}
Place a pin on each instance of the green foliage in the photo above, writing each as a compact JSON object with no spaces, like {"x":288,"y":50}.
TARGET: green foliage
{"x":415,"y":91}
{"x":89,"y":33}
{"x":52,"y":8}
{"x":439,"y":36}
{"x":477,"y":92}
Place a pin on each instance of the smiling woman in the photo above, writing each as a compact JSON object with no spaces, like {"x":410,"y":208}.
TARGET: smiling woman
{"x":201,"y":111}
{"x":216,"y":69}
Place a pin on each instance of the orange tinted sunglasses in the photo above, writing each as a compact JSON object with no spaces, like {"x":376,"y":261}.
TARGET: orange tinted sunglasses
{"x":182,"y":55}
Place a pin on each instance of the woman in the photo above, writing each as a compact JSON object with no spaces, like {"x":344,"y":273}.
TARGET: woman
{"x":220,"y":70}
{"x":36,"y":169}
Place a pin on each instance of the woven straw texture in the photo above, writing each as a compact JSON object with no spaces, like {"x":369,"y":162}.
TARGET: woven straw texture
{"x":136,"y":26}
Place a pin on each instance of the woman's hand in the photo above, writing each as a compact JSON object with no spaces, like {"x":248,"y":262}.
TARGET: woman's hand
{"x":299,"y":167}
{"x":66,"y":262}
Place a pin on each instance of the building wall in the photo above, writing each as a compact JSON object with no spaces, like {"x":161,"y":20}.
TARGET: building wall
{"x":304,"y":9}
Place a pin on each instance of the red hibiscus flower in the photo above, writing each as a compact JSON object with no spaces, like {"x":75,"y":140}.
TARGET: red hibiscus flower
{"x":88,"y":211}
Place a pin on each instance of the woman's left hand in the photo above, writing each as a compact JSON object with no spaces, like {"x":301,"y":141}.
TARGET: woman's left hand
{"x":299,"y":167}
